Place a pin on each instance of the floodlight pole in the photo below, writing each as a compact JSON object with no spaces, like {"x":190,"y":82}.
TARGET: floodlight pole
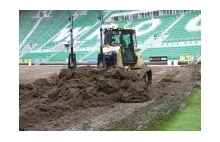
{"x":71,"y":34}
{"x":72,"y":56}
{"x":100,"y":61}
{"x":101,"y":38}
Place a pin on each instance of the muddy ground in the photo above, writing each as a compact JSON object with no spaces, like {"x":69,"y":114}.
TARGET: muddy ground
{"x":90,"y":98}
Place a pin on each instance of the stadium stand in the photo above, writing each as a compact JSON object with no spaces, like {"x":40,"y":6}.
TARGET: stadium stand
{"x":179,"y":31}
{"x":53,"y":30}
{"x":26,"y":22}
{"x":63,"y":56}
{"x":47,"y":28}
{"x":171,"y":52}
{"x":36,"y":56}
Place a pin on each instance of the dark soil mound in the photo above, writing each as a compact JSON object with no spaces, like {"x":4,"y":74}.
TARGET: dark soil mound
{"x":53,"y":97}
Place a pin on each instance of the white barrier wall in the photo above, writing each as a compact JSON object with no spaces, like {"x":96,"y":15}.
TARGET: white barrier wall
{"x":172,"y":62}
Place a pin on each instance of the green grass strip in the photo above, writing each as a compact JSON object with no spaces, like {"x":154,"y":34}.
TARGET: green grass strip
{"x":188,"y":119}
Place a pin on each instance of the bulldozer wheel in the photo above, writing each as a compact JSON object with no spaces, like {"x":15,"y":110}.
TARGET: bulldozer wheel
{"x":147,"y":78}
{"x":146,"y":75}
{"x":102,"y":63}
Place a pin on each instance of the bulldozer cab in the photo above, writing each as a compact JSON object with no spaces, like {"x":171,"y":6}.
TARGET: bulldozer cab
{"x":120,"y":49}
{"x":126,"y":39}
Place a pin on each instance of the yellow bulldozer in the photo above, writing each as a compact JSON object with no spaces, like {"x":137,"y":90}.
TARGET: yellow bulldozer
{"x":120,"y":49}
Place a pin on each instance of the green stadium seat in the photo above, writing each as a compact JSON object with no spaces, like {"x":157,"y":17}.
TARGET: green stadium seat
{"x":51,"y":26}
{"x":179,"y":33}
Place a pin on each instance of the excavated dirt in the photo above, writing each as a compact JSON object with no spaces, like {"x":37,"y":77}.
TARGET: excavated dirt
{"x":47,"y":103}
{"x":47,"y":99}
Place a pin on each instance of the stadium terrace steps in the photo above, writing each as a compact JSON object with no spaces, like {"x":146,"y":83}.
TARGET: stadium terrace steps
{"x":93,"y":28}
{"x":47,"y":28}
{"x":54,"y":29}
{"x":179,"y":32}
{"x":50,"y":27}
{"x":36,"y":56}
{"x":92,"y":57}
{"x":26,"y":22}
{"x":171,"y":52}
{"x":61,"y":56}
{"x":29,"y":34}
